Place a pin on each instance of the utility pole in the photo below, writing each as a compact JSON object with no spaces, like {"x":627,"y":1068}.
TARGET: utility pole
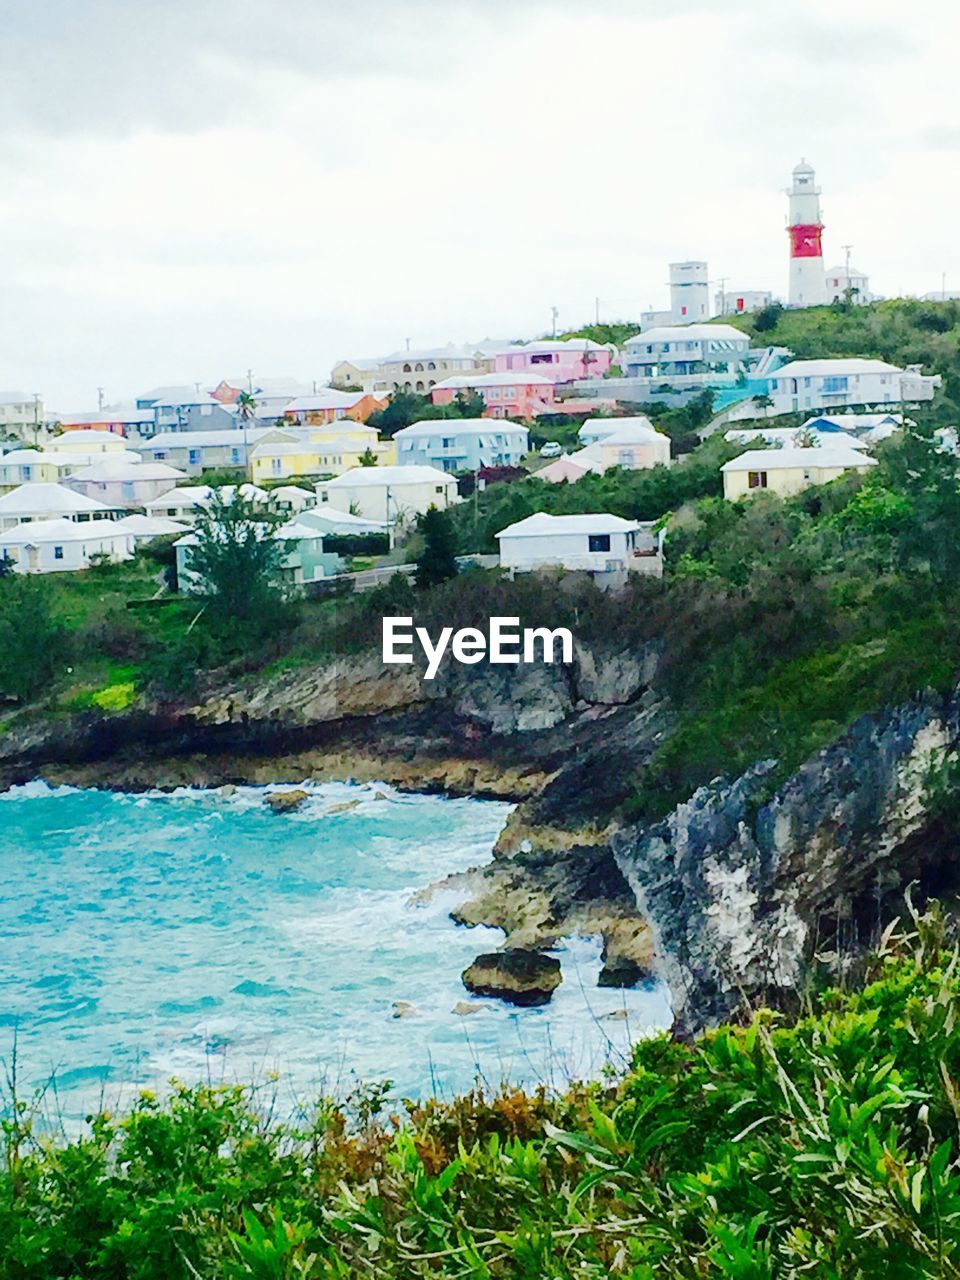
{"x":722,"y":282}
{"x":250,"y":381}
{"x":407,"y":341}
{"x":943,"y":286}
{"x":596,"y":303}
{"x":99,"y":398}
{"x":554,"y":313}
{"x":36,"y":417}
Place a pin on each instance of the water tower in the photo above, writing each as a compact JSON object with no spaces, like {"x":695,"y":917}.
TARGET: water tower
{"x":805,"y":228}
{"x":689,"y":292}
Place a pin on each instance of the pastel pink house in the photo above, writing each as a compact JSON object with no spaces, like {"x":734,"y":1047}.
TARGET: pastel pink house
{"x":505,"y":395}
{"x":559,"y":359}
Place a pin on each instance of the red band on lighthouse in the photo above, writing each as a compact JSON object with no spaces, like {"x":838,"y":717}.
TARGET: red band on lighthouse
{"x":805,"y":241}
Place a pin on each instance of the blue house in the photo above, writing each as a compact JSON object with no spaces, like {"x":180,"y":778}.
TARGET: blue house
{"x":462,"y":444}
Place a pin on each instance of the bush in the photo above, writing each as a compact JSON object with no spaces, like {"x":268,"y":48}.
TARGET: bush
{"x":32,"y":643}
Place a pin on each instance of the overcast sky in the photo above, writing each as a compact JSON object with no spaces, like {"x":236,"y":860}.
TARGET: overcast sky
{"x":191,"y":188}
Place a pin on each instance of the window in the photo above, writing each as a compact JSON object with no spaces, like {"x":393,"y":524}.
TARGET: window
{"x":324,"y":497}
{"x":447,"y":442}
{"x":418,"y":367}
{"x":234,"y":455}
{"x":599,"y":542}
{"x":756,"y":480}
{"x":194,"y":456}
{"x":58,"y":553}
{"x":834,"y":384}
{"x":407,"y":369}
{"x":439,"y":488}
{"x":431,"y":365}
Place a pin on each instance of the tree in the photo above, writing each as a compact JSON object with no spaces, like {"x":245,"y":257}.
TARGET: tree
{"x":237,"y":560}
{"x":768,"y":317}
{"x":404,"y":407}
{"x":368,"y":458}
{"x":247,"y":409}
{"x":31,"y":640}
{"x":469,"y":404}
{"x":438,"y":561}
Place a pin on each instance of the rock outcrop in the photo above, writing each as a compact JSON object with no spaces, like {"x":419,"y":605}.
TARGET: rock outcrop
{"x":286,"y":801}
{"x":517,"y":975}
{"x":739,"y":887}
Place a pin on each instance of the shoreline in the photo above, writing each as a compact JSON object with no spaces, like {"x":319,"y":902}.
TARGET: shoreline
{"x":541,"y":885}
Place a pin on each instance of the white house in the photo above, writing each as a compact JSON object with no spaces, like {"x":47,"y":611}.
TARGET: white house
{"x":461,"y":444}
{"x":391,"y":494}
{"x":594,"y":429}
{"x":630,"y":444}
{"x":832,"y":383}
{"x":60,"y":546}
{"x":89,"y":441}
{"x":123,"y":484}
{"x":185,"y":504}
{"x":48,"y":502}
{"x":789,"y":471}
{"x":598,"y":543}
{"x":690,"y":352}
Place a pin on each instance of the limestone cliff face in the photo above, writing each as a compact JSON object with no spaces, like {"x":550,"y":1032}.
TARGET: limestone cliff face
{"x":738,"y":888}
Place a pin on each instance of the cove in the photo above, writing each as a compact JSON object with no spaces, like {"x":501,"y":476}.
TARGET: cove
{"x":196,"y":935}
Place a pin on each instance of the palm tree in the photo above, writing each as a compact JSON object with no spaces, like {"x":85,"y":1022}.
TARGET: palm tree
{"x":247,"y":409}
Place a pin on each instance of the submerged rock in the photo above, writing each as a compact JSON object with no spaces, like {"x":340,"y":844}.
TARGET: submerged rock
{"x":464,"y":1008}
{"x":404,"y":1009}
{"x":286,"y":801}
{"x":519,"y":976}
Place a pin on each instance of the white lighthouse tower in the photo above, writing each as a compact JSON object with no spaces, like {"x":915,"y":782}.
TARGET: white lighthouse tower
{"x":808,"y":286}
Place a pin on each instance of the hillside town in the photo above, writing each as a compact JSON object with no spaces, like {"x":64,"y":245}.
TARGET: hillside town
{"x":387,"y":438}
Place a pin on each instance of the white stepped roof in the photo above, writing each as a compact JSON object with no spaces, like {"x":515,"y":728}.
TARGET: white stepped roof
{"x":542,"y":525}
{"x":841,"y":455}
{"x":150,"y":526}
{"x":457,"y":426}
{"x":688,"y":333}
{"x":30,"y":499}
{"x":109,"y":469}
{"x":838,"y":367}
{"x":374,"y":477}
{"x":513,"y":378}
{"x":62,"y":531}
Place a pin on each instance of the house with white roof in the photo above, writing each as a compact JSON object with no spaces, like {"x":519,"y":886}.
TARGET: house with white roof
{"x":184,"y":505}
{"x":571,"y":467}
{"x":394,"y":495}
{"x":329,"y":404}
{"x":305,"y":559}
{"x":60,"y":546}
{"x":631,"y":443}
{"x":559,"y":359}
{"x":21,"y":415}
{"x":123,"y":484}
{"x":803,"y":385}
{"x":668,"y":353}
{"x":790,"y":470}
{"x":194,"y":452}
{"x":505,"y":394}
{"x":602,"y":543}
{"x":42,"y":501}
{"x":89,"y":441}
{"x":461,"y":444}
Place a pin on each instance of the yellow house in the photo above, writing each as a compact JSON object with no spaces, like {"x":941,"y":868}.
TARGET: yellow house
{"x":281,"y":455}
{"x":789,"y":471}
{"x":632,"y":447}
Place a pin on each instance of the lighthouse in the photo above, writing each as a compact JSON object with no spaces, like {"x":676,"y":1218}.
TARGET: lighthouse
{"x":805,"y":227}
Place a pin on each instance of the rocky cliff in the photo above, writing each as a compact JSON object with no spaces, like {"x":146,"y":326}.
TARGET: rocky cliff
{"x":740,"y":887}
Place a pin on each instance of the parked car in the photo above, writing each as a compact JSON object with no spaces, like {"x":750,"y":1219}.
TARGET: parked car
{"x":550,"y":450}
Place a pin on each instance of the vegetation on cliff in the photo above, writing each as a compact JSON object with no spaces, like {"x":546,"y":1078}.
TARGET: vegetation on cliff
{"x":824,"y":1146}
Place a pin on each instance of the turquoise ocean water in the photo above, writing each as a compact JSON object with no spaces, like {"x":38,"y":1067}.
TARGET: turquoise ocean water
{"x":196,"y":935}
